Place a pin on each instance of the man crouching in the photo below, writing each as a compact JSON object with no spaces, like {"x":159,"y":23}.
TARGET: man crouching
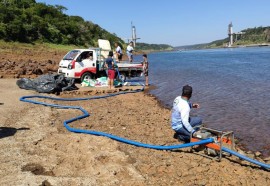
{"x":181,"y":122}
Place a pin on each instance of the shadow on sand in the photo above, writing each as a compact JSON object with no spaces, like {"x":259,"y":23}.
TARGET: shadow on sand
{"x":9,"y":131}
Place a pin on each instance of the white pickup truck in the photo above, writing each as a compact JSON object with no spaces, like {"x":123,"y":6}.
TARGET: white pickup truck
{"x":89,"y":64}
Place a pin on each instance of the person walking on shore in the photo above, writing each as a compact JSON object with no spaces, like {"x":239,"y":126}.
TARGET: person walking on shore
{"x":181,"y":122}
{"x":118,"y":52}
{"x":110,"y":66}
{"x":130,"y":51}
{"x":145,"y":69}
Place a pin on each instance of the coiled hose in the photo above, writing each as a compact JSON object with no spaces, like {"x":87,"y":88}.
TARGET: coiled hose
{"x":123,"y":140}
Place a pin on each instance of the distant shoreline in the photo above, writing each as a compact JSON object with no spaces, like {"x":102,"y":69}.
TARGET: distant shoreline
{"x":251,"y":45}
{"x":180,"y":49}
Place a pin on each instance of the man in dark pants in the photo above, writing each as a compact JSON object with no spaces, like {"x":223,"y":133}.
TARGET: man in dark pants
{"x":181,"y":123}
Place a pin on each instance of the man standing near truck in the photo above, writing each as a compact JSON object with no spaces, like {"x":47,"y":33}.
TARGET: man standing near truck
{"x":130,"y":51}
{"x":110,"y":66}
{"x":118,"y":52}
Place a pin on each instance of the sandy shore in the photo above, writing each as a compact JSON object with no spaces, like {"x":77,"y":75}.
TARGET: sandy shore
{"x":36,"y":149}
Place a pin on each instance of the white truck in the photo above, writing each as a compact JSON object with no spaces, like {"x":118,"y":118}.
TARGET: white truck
{"x":89,"y":64}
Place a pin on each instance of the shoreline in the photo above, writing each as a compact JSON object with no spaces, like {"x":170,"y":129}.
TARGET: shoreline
{"x":250,"y":153}
{"x":92,"y":91}
{"x":44,"y":151}
{"x":240,"y":147}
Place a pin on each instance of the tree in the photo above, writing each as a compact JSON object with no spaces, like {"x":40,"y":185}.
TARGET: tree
{"x":28,"y":21}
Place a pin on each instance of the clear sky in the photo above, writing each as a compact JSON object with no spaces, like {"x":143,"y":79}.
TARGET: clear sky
{"x":173,"y":22}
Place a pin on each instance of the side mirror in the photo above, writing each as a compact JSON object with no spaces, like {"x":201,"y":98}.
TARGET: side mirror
{"x":79,"y":59}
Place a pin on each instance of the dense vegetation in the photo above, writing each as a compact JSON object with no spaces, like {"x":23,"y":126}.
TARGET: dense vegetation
{"x":257,"y":35}
{"x":28,"y":22}
{"x":251,"y":36}
{"x":155,"y":47}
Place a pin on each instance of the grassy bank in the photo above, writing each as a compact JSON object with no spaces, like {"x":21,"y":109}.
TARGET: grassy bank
{"x":34,"y":46}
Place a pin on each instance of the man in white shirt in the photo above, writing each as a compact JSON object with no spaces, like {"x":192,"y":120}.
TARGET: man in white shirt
{"x":181,"y":123}
{"x":118,"y":52}
{"x":130,"y":51}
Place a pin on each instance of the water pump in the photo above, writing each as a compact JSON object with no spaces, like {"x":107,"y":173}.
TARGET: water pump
{"x":220,"y":139}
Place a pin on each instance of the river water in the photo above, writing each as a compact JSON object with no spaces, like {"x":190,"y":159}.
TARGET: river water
{"x":231,"y":85}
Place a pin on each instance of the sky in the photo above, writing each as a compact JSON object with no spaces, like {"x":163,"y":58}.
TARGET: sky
{"x":173,"y":22}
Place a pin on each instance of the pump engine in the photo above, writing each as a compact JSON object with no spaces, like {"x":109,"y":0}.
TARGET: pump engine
{"x":220,"y":139}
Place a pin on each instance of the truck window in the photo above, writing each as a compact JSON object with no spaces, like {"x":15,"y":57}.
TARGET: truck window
{"x":87,"y":55}
{"x":90,"y":55}
{"x":71,"y":55}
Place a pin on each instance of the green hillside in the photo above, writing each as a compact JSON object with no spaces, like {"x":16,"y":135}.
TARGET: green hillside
{"x":29,"y":22}
{"x":26,"y":21}
{"x":257,"y":35}
{"x":153,"y":47}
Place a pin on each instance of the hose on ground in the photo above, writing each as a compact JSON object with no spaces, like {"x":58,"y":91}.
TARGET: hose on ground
{"x":264,"y":165}
{"x":98,"y":133}
{"x":123,"y":140}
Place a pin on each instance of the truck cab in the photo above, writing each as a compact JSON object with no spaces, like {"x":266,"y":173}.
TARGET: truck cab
{"x":81,"y":63}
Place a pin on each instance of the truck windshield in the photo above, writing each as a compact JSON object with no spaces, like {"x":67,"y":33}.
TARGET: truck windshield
{"x":71,"y":55}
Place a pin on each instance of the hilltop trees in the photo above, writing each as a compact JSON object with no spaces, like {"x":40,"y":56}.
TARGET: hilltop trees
{"x":28,"y":21}
{"x":149,"y":47}
{"x":257,"y":34}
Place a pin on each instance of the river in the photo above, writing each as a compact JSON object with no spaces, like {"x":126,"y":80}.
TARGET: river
{"x":232,"y":86}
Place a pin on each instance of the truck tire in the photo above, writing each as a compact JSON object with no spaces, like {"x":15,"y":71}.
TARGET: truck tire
{"x":122,"y":77}
{"x":87,"y":76}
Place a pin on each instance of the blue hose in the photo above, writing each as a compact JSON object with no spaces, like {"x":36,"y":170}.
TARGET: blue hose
{"x":86,"y":114}
{"x":135,"y":143}
{"x":264,"y":165}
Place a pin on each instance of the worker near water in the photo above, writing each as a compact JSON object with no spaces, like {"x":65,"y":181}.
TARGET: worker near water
{"x":130,"y":51}
{"x":109,"y":64}
{"x":145,"y":69}
{"x":181,"y":122}
{"x":118,"y":52}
